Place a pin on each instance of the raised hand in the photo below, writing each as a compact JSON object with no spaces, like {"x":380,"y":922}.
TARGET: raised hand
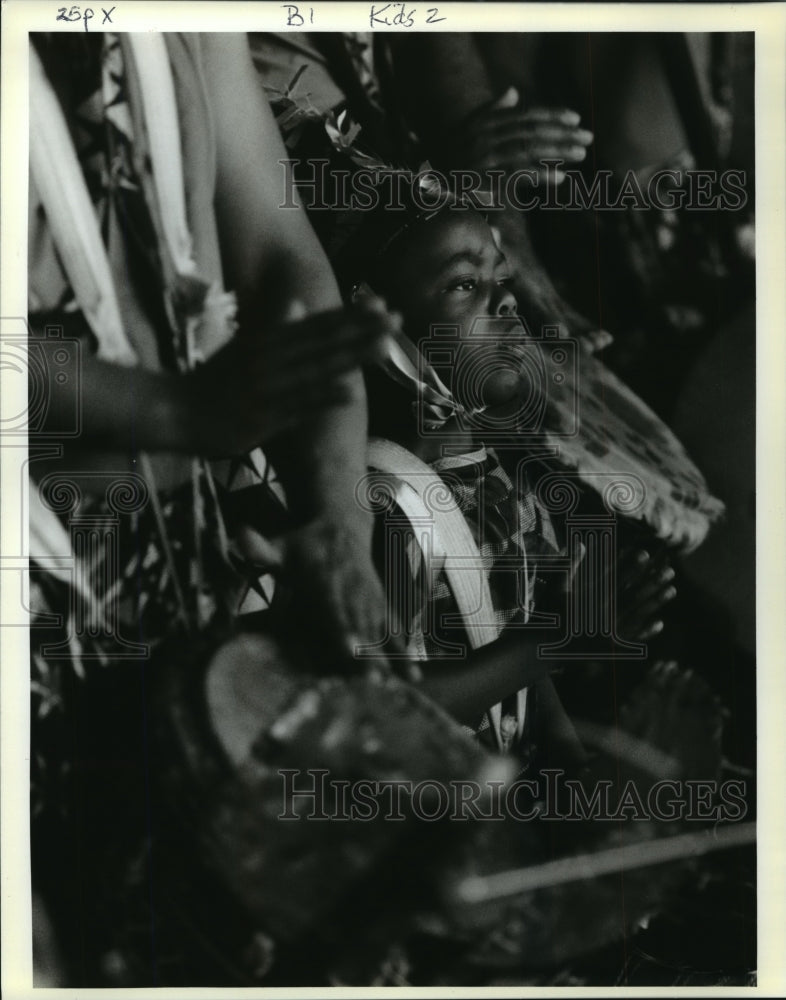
{"x":502,"y":136}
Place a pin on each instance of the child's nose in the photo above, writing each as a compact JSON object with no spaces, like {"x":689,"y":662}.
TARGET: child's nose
{"x":505,"y":304}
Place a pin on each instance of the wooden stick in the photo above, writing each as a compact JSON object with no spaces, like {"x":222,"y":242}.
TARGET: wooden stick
{"x":480,"y":889}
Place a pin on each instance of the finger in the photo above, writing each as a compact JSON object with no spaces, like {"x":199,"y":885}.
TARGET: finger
{"x":295,"y":311}
{"x":638,"y":613}
{"x":555,"y":133}
{"x":352,"y":648}
{"x":598,"y":340}
{"x":514,"y":160}
{"x":551,"y":176}
{"x":645,"y":606}
{"x":651,"y":575}
{"x":650,"y":611}
{"x":517,"y":155}
{"x":509,"y":99}
{"x":364,"y":293}
{"x":653,"y":608}
{"x":414,"y":672}
{"x":505,"y":102}
{"x":369,"y":303}
{"x":374,"y":318}
{"x":361,"y":614}
{"x":525,"y":154}
{"x":502,"y":123}
{"x":634,"y":566}
{"x":307,"y":372}
{"x":555,"y":151}
{"x":381,"y":349}
{"x":510,"y":162}
{"x":515,"y":121}
{"x":667,"y":595}
{"x":561,"y":135}
{"x":564,"y":116}
{"x":319,"y":335}
{"x":368,"y":313}
{"x":306,"y":350}
{"x":649,"y":633}
{"x":377,"y":670}
{"x":664,"y":670}
{"x":375,"y":664}
{"x":395,"y":645}
{"x":401,"y":662}
{"x":658,"y":587}
{"x":263,"y":552}
{"x":344,"y":630}
{"x":355,"y":340}
{"x":504,"y":127}
{"x":646,"y":574}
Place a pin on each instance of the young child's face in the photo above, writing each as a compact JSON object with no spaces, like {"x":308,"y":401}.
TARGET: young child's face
{"x":451,"y":272}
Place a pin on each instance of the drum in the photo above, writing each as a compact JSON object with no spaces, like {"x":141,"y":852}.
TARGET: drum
{"x":283,"y":785}
{"x":610,"y":855}
{"x":599,"y":429}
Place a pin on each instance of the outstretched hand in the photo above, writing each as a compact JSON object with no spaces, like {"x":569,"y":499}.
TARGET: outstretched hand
{"x":257,"y":386}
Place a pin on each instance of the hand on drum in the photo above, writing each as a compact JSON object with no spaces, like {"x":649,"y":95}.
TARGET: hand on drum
{"x":502,"y":136}
{"x":644,"y":586}
{"x":337,"y":605}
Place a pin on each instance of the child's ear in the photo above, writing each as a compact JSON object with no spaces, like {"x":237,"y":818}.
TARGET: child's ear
{"x":362,"y":290}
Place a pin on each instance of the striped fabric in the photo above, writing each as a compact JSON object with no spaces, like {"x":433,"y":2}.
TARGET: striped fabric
{"x":512,"y":530}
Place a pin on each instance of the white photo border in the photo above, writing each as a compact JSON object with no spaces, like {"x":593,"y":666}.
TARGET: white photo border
{"x":768,"y":21}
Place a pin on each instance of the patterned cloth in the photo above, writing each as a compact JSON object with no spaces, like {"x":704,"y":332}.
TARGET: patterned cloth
{"x":512,"y":531}
{"x":141,"y":579}
{"x":166,"y":566}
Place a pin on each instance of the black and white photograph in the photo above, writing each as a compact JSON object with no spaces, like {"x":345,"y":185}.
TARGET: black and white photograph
{"x":392,"y":496}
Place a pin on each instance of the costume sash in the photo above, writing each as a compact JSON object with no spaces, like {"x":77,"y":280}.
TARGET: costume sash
{"x":453,"y":549}
{"x":71,"y":216}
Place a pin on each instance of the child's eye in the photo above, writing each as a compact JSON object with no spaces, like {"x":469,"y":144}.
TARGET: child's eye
{"x":505,"y":282}
{"x":462,"y":285}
